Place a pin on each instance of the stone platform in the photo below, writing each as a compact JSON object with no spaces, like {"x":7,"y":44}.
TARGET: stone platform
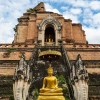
{"x":51,"y":96}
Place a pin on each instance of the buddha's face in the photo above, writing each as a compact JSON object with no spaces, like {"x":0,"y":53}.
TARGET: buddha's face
{"x":50,"y":72}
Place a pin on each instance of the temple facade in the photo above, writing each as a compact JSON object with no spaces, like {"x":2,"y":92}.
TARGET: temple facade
{"x":42,"y":38}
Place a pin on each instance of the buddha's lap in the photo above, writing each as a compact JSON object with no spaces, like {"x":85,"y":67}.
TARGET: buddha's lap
{"x":51,"y":90}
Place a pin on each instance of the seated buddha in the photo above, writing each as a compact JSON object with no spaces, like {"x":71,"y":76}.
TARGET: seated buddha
{"x":50,"y":83}
{"x":50,"y":90}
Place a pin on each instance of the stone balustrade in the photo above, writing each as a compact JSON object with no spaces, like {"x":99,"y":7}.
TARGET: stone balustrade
{"x":77,"y":46}
{"x":16,"y":46}
{"x":83,"y":46}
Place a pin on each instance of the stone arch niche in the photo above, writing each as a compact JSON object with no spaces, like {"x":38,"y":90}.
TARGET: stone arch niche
{"x":49,"y":34}
{"x":49,"y":27}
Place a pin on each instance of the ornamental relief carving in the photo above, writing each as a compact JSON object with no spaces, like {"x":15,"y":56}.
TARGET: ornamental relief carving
{"x":57,"y":26}
{"x":50,"y":20}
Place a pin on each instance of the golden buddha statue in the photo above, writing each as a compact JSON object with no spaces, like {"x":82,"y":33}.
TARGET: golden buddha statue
{"x":50,"y":90}
{"x":50,"y":83}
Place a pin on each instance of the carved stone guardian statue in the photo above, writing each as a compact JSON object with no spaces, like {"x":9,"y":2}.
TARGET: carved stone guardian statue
{"x":79,"y":77}
{"x":21,"y":80}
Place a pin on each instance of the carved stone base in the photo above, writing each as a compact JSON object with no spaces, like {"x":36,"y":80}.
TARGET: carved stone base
{"x":51,"y":98}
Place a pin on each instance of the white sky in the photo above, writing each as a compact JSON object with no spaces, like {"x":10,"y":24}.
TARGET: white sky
{"x":86,"y":12}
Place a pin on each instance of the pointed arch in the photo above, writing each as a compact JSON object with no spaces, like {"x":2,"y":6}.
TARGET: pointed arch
{"x":49,"y":23}
{"x":49,"y":34}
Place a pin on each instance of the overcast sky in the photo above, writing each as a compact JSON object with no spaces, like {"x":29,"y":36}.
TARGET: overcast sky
{"x":86,"y":12}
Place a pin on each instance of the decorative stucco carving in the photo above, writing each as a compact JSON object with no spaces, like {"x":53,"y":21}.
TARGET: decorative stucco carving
{"x":49,"y":20}
{"x":79,"y":78}
{"x":21,"y":80}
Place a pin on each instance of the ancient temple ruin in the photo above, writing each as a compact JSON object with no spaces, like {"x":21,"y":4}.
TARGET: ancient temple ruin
{"x":42,"y":38}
